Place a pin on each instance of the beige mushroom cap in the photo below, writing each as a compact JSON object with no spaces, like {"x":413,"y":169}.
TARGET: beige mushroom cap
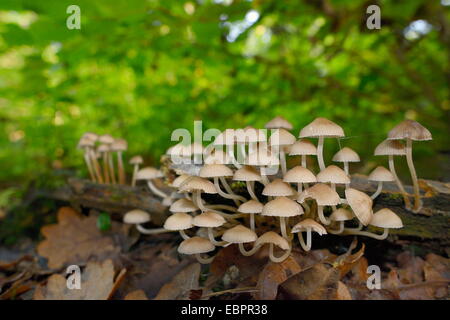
{"x":322,"y":127}
{"x":247,"y":173}
{"x":282,"y":137}
{"x":278,"y":123}
{"x":273,"y":238}
{"x":180,"y":150}
{"x":90,"y":135}
{"x":361,"y":205}
{"x":380,"y":173}
{"x":148,"y":173}
{"x":208,"y":219}
{"x":85,"y":142}
{"x":251,"y":206}
{"x":341,"y":214}
{"x":136,"y":160}
{"x":262,"y":157}
{"x":136,"y":216}
{"x":390,"y":147}
{"x":215,"y":170}
{"x":303,"y":147}
{"x":333,"y":174}
{"x":106,"y":138}
{"x":195,"y":245}
{"x":278,"y":188}
{"x":197,"y":147}
{"x":103,"y":148}
{"x":410,"y":129}
{"x":386,"y":218}
{"x":322,"y":193}
{"x":183,"y":205}
{"x":239,"y":234}
{"x":176,"y":183}
{"x":198,"y":184}
{"x":346,"y":155}
{"x":282,"y":207}
{"x":178,"y":221}
{"x":250,"y":135}
{"x":225,"y":138}
{"x":299,"y":174}
{"x":309,"y":223}
{"x":218,"y":157}
{"x":119,"y":145}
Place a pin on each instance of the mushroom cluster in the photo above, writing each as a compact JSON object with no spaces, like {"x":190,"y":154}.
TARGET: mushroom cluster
{"x":301,"y":201}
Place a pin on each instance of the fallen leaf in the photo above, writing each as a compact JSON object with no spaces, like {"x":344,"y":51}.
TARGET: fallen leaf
{"x":273,"y":275}
{"x":74,"y":240}
{"x":181,"y":285}
{"x":97,"y":283}
{"x":136,"y":295}
{"x":342,"y":292}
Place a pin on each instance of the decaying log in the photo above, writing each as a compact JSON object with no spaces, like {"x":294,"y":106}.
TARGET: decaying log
{"x":432,"y":222}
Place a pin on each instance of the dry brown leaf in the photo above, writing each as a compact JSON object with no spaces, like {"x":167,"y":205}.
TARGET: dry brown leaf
{"x":97,"y":283}
{"x":347,"y":261}
{"x":136,"y":295}
{"x":273,"y":275}
{"x":342,"y":292}
{"x":181,"y":285}
{"x":73,"y":240}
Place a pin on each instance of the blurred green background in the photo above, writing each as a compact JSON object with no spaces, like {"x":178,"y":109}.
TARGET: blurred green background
{"x":139,"y":69}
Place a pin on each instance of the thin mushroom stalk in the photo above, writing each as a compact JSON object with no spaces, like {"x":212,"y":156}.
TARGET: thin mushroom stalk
{"x":213,"y":240}
{"x":250,"y":189}
{"x":105,"y":168}
{"x":283,"y":228}
{"x":306,"y":246}
{"x":183,"y":234}
{"x":252,"y":221}
{"x":143,"y":230}
{"x":377,"y":193}
{"x":120,"y":169}
{"x":283,"y":160}
{"x":382,"y":236}
{"x":250,"y":252}
{"x":135,"y":170}
{"x":412,"y":170}
{"x":303,"y":160}
{"x":229,"y":190}
{"x":203,"y":260}
{"x":338,"y":231}
{"x":398,"y":182}
{"x":233,"y":197}
{"x":155,"y":190}
{"x":265,"y":181}
{"x":88,"y":162}
{"x":358,"y":228}
{"x":96,"y":166}
{"x":275,"y":259}
{"x":320,"y":153}
{"x":112,"y":170}
{"x":198,"y":201}
{"x":322,"y":218}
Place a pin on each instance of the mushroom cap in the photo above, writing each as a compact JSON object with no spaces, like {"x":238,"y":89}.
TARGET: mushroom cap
{"x":262,"y":157}
{"x":215,"y":170}
{"x":341,"y":214}
{"x":390,"y":147}
{"x":106,"y":138}
{"x":282,"y":137}
{"x":148,"y":173}
{"x":103,"y":148}
{"x":346,"y":155}
{"x":278,"y":188}
{"x":90,"y":135}
{"x":119,"y":145}
{"x":322,"y":193}
{"x":322,"y":127}
{"x":136,"y":160}
{"x":180,"y":150}
{"x":251,"y":206}
{"x":303,"y":147}
{"x":361,"y":205}
{"x":309,"y":223}
{"x":178,"y":221}
{"x":176,"y":183}
{"x":250,"y":135}
{"x":333,"y":174}
{"x":225,"y":138}
{"x":197,"y":147}
{"x":183,"y":205}
{"x":218,"y":157}
{"x":273,"y":238}
{"x":239,"y":234}
{"x":278,"y":123}
{"x":410,"y":129}
{"x":282,"y":207}
{"x":198,"y":184}
{"x":299,"y":174}
{"x":208,"y":219}
{"x":247,"y":173}
{"x":386,"y":218}
{"x":195,"y":245}
{"x":380,"y":173}
{"x":85,"y":142}
{"x":136,"y":216}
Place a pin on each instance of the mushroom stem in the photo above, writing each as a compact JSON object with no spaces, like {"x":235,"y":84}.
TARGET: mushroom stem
{"x":155,"y":190}
{"x":111,"y":168}
{"x":359,"y":227}
{"x":252,"y":221}
{"x":379,"y":188}
{"x":320,"y":153}
{"x":250,"y":190}
{"x":412,"y":170}
{"x":299,"y":187}
{"x":89,"y":165}
{"x":183,"y":234}
{"x":242,"y":153}
{"x":278,"y":259}
{"x":221,"y":206}
{"x":143,"y":230}
{"x":203,"y":260}
{"x":105,"y":168}
{"x":346,"y":168}
{"x":233,"y":197}
{"x":230,"y":152}
{"x":120,"y":169}
{"x":250,"y":252}
{"x":303,"y":161}
{"x":398,"y":182}
{"x":135,"y":170}
{"x":229,"y":190}
{"x":213,"y":240}
{"x":96,"y":166}
{"x":306,"y":206}
{"x":199,"y":203}
{"x":338,"y":231}
{"x":265,"y":181}
{"x":382,"y":236}
{"x":306,"y":246}
{"x":283,"y":160}
{"x":322,"y":218}
{"x":283,"y":228}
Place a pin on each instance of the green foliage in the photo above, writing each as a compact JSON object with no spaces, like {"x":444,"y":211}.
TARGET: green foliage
{"x":104,"y":221}
{"x":140,"y":69}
